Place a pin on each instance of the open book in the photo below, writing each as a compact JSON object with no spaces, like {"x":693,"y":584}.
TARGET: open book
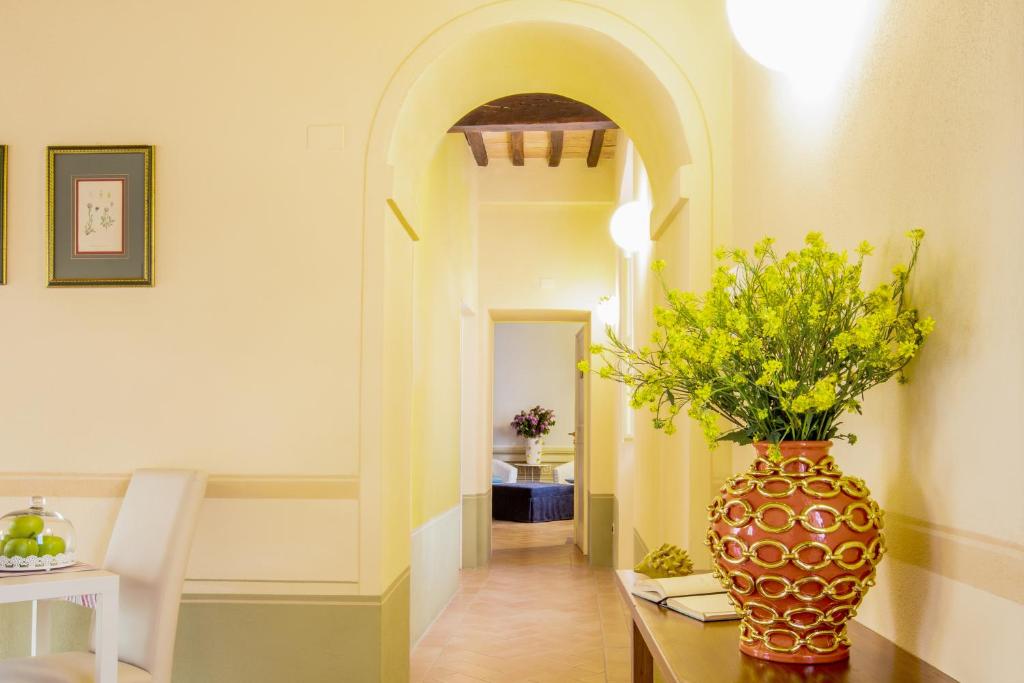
{"x":699,"y":596}
{"x":714,"y":607}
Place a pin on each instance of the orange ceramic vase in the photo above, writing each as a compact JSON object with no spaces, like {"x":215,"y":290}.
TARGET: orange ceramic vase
{"x":796,"y":543}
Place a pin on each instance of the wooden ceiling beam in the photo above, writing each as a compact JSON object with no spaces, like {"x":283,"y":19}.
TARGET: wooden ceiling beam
{"x":556,"y":139}
{"x":596,"y":142}
{"x":476,"y":144}
{"x":546,"y":127}
{"x":515,"y":148}
{"x":533,"y":111}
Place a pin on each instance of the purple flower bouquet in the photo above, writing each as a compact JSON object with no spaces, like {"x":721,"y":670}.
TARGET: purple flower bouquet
{"x":534,"y":423}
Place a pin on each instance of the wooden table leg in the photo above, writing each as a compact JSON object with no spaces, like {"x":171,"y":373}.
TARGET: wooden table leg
{"x":643,"y":662}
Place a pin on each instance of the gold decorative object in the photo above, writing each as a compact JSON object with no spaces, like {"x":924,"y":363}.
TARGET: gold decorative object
{"x":3,"y":214}
{"x":665,"y":562}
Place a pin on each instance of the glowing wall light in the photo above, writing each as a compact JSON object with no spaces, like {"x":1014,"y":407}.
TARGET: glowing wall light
{"x":809,"y":40}
{"x":631,"y":226}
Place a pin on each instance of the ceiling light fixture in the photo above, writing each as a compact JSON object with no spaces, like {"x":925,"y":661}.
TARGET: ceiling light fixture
{"x":631,"y":226}
{"x":809,"y":40}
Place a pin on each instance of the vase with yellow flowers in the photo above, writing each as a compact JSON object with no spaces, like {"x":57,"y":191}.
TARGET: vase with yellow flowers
{"x":779,"y":349}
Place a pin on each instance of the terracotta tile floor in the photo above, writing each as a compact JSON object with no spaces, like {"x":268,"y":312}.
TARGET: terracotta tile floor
{"x":537,"y":614}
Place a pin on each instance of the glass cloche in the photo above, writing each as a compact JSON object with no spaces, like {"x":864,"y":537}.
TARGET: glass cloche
{"x":36,"y":538}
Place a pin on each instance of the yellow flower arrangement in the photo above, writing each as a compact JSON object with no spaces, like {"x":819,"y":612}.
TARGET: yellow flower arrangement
{"x":780,"y":347}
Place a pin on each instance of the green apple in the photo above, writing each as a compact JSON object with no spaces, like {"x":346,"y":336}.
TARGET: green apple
{"x":51,"y":545}
{"x":21,"y":547}
{"x":26,"y":526}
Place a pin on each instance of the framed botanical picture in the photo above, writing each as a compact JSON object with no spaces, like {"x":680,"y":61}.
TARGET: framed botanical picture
{"x":3,"y":214}
{"x":100,"y":216}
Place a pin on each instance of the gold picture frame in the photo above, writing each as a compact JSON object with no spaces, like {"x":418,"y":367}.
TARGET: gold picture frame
{"x":100,"y":216}
{"x":3,"y":214}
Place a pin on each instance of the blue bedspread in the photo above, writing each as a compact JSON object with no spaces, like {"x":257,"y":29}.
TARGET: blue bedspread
{"x":532,"y":501}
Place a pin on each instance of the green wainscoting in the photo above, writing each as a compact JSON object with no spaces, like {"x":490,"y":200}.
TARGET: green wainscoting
{"x":394,"y":632}
{"x":435,"y":557}
{"x":476,"y":529}
{"x":14,"y":629}
{"x":261,"y":639}
{"x":603,"y":514}
{"x":69,"y":628}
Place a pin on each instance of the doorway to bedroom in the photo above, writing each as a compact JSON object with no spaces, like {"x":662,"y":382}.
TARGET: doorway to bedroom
{"x":539,"y":434}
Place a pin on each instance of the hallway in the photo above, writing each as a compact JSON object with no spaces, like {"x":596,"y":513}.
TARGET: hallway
{"x":537,"y":614}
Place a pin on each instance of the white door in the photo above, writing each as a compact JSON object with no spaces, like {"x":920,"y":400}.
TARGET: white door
{"x":580,"y":443}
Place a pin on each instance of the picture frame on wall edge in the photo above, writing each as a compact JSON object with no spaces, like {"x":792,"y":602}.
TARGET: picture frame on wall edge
{"x":100,"y":216}
{"x":3,"y":214}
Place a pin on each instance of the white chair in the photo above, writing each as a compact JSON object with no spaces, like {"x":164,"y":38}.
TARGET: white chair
{"x":504,"y":472}
{"x":565,"y":473}
{"x":149,"y":551}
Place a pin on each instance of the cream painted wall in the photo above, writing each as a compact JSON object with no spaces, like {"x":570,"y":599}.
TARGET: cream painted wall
{"x":474,"y":467}
{"x":534,"y":364}
{"x":630,"y":185}
{"x":275,"y":349}
{"x":441,"y":258}
{"x":244,"y":359}
{"x":677,"y":107}
{"x":663,"y":483}
{"x":443,"y":269}
{"x":674,"y":475}
{"x":231,"y":363}
{"x":573,"y":183}
{"x":927,"y":130}
{"x":545,"y":256}
{"x":572,"y":270}
{"x":391,"y":472}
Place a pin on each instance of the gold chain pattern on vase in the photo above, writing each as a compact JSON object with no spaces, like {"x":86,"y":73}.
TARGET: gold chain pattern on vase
{"x":811,"y":518}
{"x":818,"y":642}
{"x":796,"y":544}
{"x":734,"y":550}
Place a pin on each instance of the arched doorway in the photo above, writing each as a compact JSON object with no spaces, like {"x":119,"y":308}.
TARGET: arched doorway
{"x":568,"y":48}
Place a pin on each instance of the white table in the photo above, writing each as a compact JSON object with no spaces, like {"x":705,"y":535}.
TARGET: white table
{"x":56,"y":584}
{"x":543,"y":472}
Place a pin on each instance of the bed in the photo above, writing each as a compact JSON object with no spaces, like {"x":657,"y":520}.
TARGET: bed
{"x":532,"y":501}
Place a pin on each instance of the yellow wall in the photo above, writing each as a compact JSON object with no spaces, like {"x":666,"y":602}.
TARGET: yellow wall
{"x":239,"y":360}
{"x":545,"y":256}
{"x":276,"y":344}
{"x":573,"y":270}
{"x":443,"y":268}
{"x":274,"y":350}
{"x":926,"y":131}
{"x":675,"y":60}
{"x":442,"y":256}
{"x":663,"y":483}
{"x":390,"y":483}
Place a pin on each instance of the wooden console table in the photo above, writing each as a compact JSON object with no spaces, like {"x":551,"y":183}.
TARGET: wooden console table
{"x":690,"y":651}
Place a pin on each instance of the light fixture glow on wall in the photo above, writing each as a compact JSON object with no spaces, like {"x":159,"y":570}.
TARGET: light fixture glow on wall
{"x":805,"y":39}
{"x":631,"y":226}
{"x":608,"y":310}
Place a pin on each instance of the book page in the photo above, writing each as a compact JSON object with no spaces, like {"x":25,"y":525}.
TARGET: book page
{"x":704,"y":607}
{"x":694,"y":584}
